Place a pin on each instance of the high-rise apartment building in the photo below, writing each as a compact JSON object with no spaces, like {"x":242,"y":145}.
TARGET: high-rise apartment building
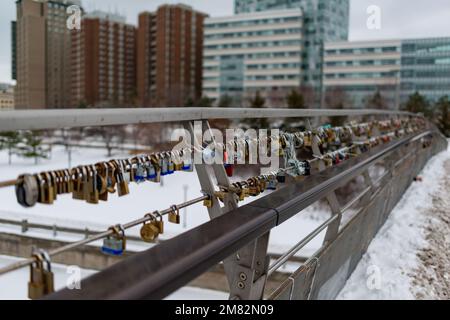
{"x":395,"y":68}
{"x":169,"y":56}
{"x":41,"y":47}
{"x":103,"y":61}
{"x":256,"y":52}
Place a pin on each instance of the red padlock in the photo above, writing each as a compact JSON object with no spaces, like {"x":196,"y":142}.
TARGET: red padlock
{"x":228,"y":166}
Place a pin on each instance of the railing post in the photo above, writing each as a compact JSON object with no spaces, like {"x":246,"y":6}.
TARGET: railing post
{"x":246,"y":270}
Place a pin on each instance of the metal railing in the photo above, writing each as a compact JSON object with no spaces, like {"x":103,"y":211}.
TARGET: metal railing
{"x":239,"y":236}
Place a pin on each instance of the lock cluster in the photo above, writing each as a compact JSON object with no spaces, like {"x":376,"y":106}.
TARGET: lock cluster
{"x":93,"y":183}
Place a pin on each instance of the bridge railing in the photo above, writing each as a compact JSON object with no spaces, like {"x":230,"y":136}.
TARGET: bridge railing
{"x":239,"y":236}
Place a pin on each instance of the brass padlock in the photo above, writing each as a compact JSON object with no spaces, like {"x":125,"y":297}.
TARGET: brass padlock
{"x":93,"y":195}
{"x":49,"y":278}
{"x":48,"y":189}
{"x":174,"y":215}
{"x":102,"y":181}
{"x":54,"y":183}
{"x":122,"y":185}
{"x":77,"y":192}
{"x":36,"y":285}
{"x":149,"y":231}
{"x":159,"y":222}
{"x":41,"y":276}
{"x":208,"y":202}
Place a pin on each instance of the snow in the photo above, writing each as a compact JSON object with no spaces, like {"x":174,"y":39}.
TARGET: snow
{"x":384,"y":271}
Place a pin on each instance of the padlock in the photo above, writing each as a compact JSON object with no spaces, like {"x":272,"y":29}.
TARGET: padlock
{"x":164,"y":165}
{"x":178,"y":162}
{"x":77,"y":192}
{"x":93,"y":186}
{"x":54,"y":183}
{"x":48,"y":189}
{"x":159,"y":222}
{"x":36,"y":285}
{"x":49,"y":278}
{"x":228,"y":165}
{"x":102,"y":181}
{"x":220,"y":195}
{"x":149,"y":231}
{"x":273,"y":183}
{"x":141,"y":172}
{"x":69,"y":180}
{"x":124,"y":171}
{"x":174,"y":215}
{"x":187,"y":164}
{"x":111,"y":178}
{"x":122,"y":185}
{"x":132,"y":169}
{"x":281,"y":177}
{"x":41,"y":276}
{"x":85,"y":179}
{"x":170,"y":163}
{"x":208,"y":202}
{"x":27,"y":190}
{"x":116,"y":243}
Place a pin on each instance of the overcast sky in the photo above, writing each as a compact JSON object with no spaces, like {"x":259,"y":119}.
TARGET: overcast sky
{"x":400,"y":19}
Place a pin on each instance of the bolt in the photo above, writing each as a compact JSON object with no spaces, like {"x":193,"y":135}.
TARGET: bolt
{"x":241,"y":285}
{"x":243,"y":276}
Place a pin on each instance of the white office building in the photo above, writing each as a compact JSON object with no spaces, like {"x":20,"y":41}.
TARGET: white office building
{"x":361,"y":68}
{"x":256,"y":52}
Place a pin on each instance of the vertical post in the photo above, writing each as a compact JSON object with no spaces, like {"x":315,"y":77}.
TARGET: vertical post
{"x":246,"y":270}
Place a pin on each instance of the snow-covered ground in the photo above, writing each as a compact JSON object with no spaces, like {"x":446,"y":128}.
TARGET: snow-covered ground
{"x":142,"y":199}
{"x":391,"y":268}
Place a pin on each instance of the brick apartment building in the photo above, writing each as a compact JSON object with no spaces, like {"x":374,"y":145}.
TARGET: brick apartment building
{"x":103,"y":61}
{"x":169,"y":56}
{"x":40,"y":47}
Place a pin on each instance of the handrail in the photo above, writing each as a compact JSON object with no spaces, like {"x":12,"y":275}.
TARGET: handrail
{"x":77,"y":118}
{"x":187,"y":256}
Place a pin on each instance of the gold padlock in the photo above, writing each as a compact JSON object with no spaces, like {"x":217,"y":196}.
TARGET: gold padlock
{"x":149,"y":231}
{"x":36,"y":285}
{"x":160,"y":222}
{"x":102,"y":180}
{"x":77,"y":192}
{"x":208,"y":202}
{"x":122,"y":185}
{"x":41,"y":276}
{"x":48,"y":189}
{"x":174,"y":215}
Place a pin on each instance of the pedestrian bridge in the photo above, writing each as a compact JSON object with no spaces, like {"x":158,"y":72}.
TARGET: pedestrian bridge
{"x":384,"y":151}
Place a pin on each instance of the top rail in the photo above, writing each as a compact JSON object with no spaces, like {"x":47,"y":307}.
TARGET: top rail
{"x":77,"y":118}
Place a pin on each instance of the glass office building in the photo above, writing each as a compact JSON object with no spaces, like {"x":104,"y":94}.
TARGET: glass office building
{"x":324,"y":21}
{"x":354,"y":71}
{"x":395,"y":68}
{"x":249,"y":53}
{"x":425,"y":68}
